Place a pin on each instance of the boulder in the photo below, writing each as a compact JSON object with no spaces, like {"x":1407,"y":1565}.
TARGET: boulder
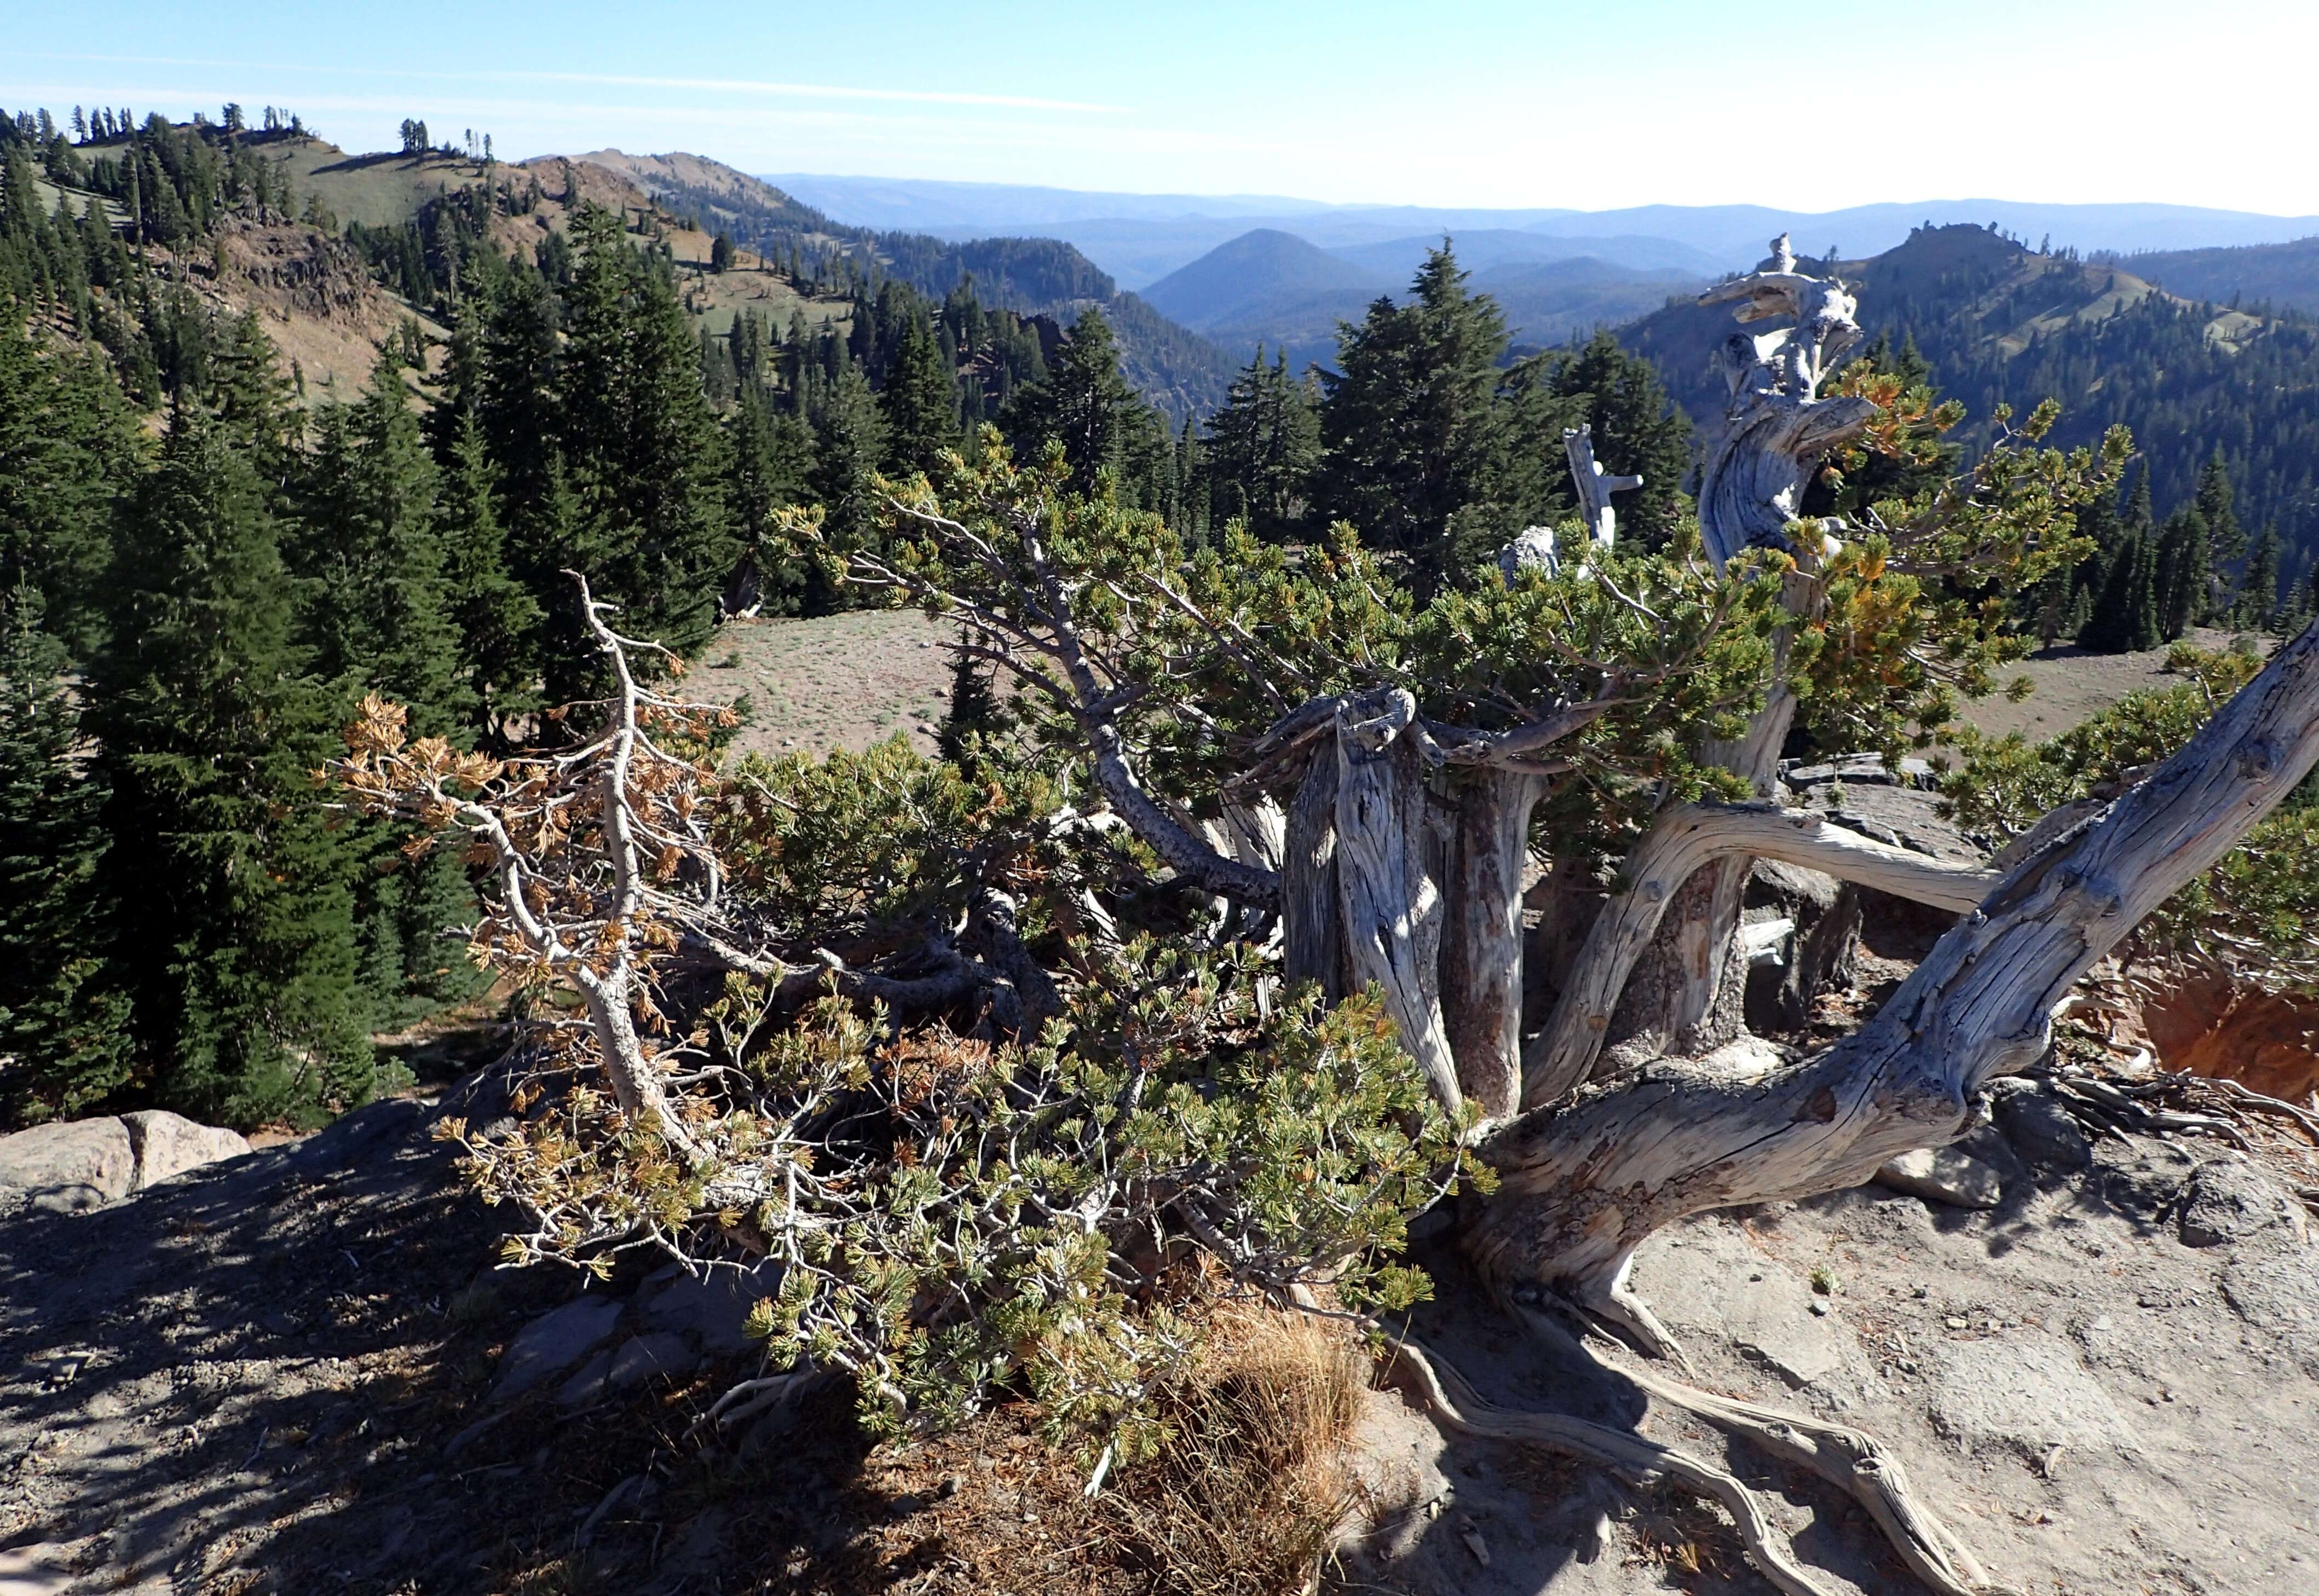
{"x":1821,"y":956}
{"x":2040,"y":1129}
{"x":71,"y":1166}
{"x":554,"y":1342}
{"x":712,"y":1307}
{"x":2228,"y":1198}
{"x":1944,"y":1175}
{"x":168,"y":1145}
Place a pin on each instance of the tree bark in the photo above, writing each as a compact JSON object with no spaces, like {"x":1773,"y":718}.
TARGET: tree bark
{"x":1482,"y":950}
{"x":1684,"y":844}
{"x":1585,"y":1182}
{"x":1313,"y":934}
{"x":1387,"y":892}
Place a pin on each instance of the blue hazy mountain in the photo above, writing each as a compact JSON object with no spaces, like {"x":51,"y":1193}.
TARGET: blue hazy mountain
{"x":1272,"y":289}
{"x":1139,"y":239}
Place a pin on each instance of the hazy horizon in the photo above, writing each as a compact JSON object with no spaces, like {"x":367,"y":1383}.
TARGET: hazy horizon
{"x":1503,"y":105}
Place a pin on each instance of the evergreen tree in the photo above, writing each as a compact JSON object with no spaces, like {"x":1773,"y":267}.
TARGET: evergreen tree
{"x":974,"y":709}
{"x":1086,"y":406}
{"x":1637,"y":431}
{"x":645,"y":455}
{"x":241,"y":948}
{"x":2226,"y":540}
{"x":1409,"y":422}
{"x":1261,"y":450}
{"x":2125,"y":616}
{"x":378,"y":617}
{"x":66,"y":446}
{"x":2258,"y":599}
{"x":497,"y":617}
{"x":849,"y":440}
{"x":64,"y":1022}
{"x":920,"y":401}
{"x":772,"y":457}
{"x":2185,"y":572}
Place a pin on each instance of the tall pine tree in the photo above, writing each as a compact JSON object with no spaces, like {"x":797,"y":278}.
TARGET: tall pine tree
{"x":919,"y":402}
{"x":1408,"y":421}
{"x":241,"y":946}
{"x":63,"y":1020}
{"x":1261,"y":450}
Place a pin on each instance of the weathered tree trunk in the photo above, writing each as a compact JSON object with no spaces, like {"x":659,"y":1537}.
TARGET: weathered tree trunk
{"x":1776,"y":430}
{"x":1482,"y":947}
{"x":1387,"y":892}
{"x":1584,"y":1181}
{"x":1684,"y":844}
{"x":1313,"y":934}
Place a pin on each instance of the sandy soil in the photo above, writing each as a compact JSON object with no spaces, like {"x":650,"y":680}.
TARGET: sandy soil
{"x":2072,"y":686}
{"x":836,"y":681}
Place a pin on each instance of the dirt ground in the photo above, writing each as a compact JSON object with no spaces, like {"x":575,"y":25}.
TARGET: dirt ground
{"x":277,"y":1375}
{"x":836,"y":681}
{"x":2071,"y":686}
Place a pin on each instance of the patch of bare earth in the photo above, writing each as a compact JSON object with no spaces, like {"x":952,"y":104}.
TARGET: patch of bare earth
{"x":2069,"y":686}
{"x":834,"y":681}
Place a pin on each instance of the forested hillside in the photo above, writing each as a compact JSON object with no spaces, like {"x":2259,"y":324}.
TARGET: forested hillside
{"x":1181,"y":372}
{"x":2261,"y":278}
{"x":210,"y":549}
{"x":1989,"y":321}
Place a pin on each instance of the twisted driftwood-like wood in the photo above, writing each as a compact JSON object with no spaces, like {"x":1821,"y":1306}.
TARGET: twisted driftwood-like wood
{"x":1690,"y":838}
{"x":1584,"y":1181}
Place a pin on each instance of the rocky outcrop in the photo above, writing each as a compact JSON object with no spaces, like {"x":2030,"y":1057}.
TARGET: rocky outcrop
{"x":76,"y":1164}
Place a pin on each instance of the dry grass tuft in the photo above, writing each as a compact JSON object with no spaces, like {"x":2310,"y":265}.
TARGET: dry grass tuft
{"x":1259,"y":1476}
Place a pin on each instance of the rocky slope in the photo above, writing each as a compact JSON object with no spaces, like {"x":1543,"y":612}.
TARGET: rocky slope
{"x":298,"y":1369}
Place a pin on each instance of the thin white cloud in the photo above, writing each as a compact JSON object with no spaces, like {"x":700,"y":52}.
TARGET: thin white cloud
{"x":731,"y":85}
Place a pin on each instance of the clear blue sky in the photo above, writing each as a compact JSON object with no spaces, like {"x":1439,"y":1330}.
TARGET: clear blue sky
{"x":1547,"y":103}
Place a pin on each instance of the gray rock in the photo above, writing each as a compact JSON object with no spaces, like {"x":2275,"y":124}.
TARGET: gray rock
{"x":2273,"y":1282}
{"x":2040,"y":1129}
{"x":70,"y":1166}
{"x":2144,"y":1181}
{"x":712,"y":1308}
{"x":1720,"y":1284}
{"x":587,"y":1385}
{"x":1861,"y":770}
{"x":1944,"y":1175}
{"x":647,"y":1357}
{"x":168,"y":1145}
{"x":1532,"y":549}
{"x":1910,"y":818}
{"x":2028,"y":1390}
{"x":1827,"y":915}
{"x":2228,"y":1198}
{"x":552,"y":1343}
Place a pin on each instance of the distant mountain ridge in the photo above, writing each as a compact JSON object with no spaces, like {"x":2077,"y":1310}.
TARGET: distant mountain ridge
{"x":1141,"y":239}
{"x":2282,"y":276}
{"x":1272,"y":289}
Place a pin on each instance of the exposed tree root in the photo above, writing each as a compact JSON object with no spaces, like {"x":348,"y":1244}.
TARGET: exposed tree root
{"x":1636,"y":1459}
{"x":1852,"y":1461}
{"x":1849,"y":1459}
